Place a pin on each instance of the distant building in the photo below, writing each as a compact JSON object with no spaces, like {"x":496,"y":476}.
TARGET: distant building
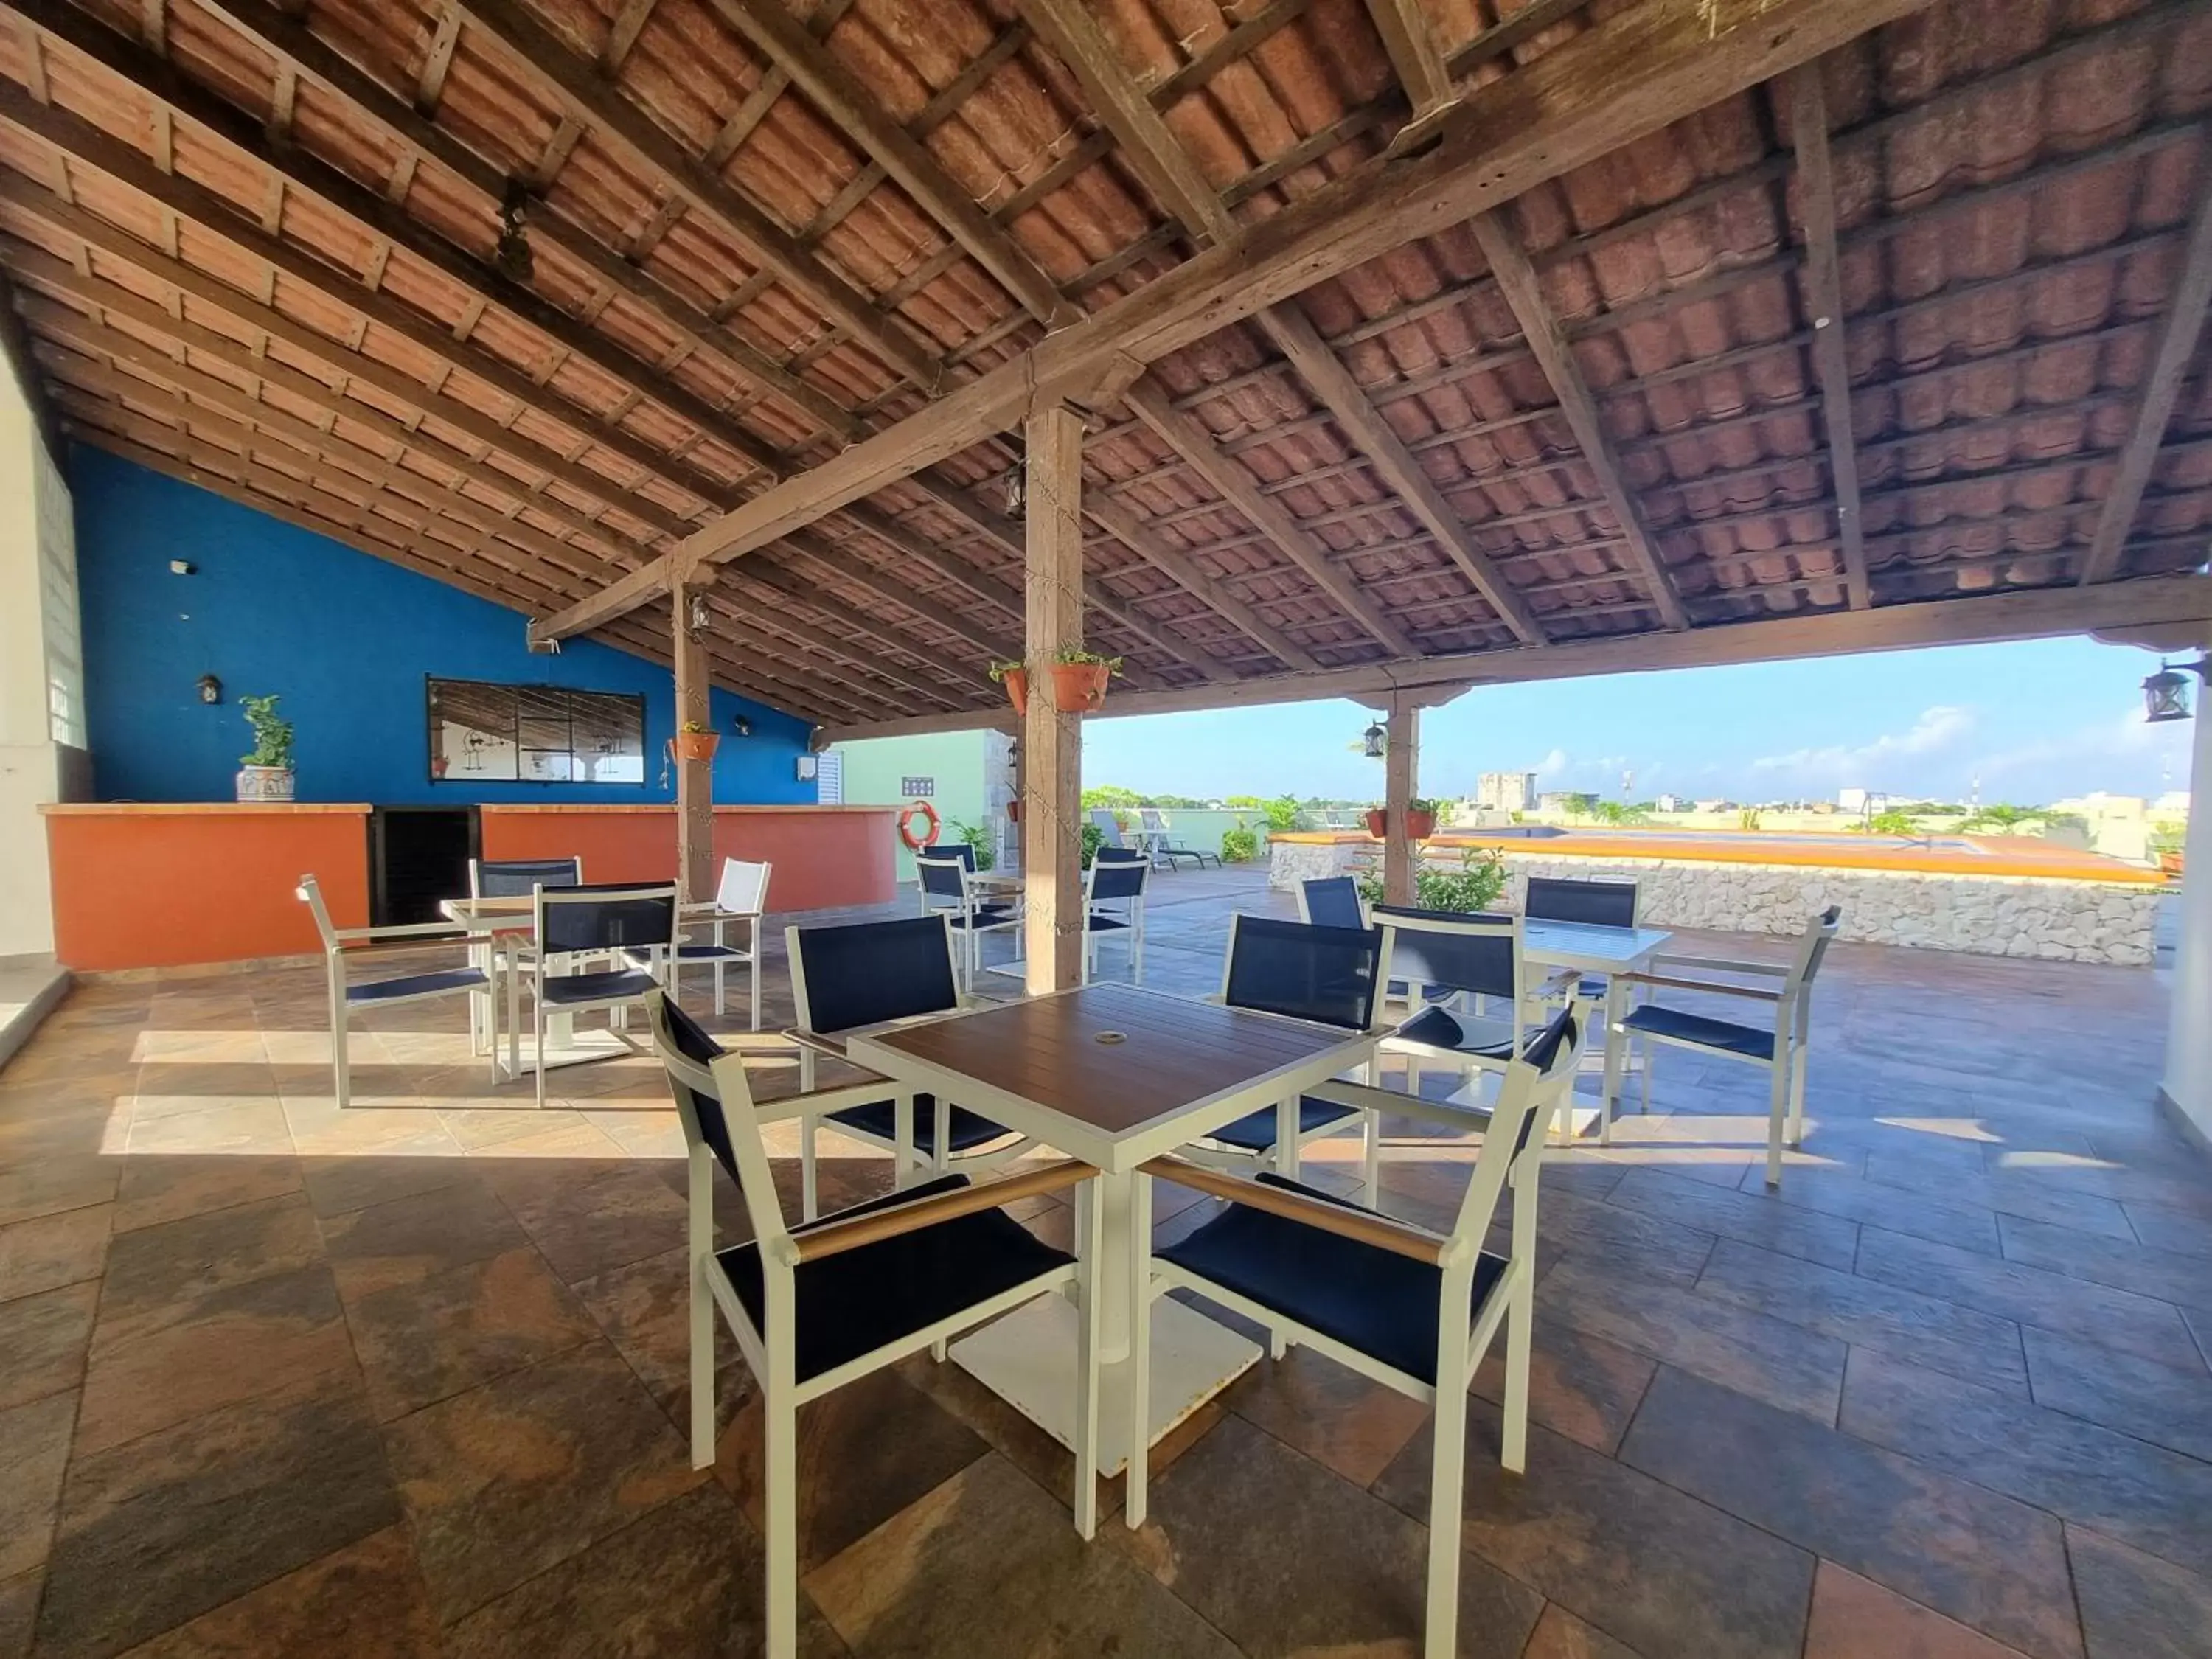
{"x":1567,"y":801}
{"x":1860,"y":801}
{"x":1505,"y":791}
{"x":1672,"y":804}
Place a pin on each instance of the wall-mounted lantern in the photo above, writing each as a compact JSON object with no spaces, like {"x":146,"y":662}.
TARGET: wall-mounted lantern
{"x":701,"y":616}
{"x":211,"y":688}
{"x":742,"y":726}
{"x":2166,"y":694}
{"x":1375,"y":742}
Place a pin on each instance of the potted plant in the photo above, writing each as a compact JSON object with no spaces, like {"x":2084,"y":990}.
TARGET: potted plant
{"x":696,"y":741}
{"x":1014,"y":811}
{"x":1420,"y":818}
{"x":266,"y":773}
{"x":1078,"y":679}
{"x":1378,"y":820}
{"x":1016,"y":678}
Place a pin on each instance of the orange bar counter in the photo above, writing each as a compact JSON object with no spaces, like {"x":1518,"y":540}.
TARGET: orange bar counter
{"x":825,"y":857}
{"x":165,"y":884}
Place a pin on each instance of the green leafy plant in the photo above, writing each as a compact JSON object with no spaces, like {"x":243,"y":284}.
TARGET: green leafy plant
{"x":1000,"y":669}
{"x":1282,"y":814}
{"x":695,"y":726}
{"x":1747,"y":818}
{"x":272,"y":736}
{"x":977,"y":836}
{"x":1435,"y":809}
{"x":1110,"y":794}
{"x":1093,"y":839}
{"x":1239,"y":846}
{"x":1894,"y":822}
{"x":1617,"y":813}
{"x":1477,"y":884}
{"x":2005,"y":820}
{"x":1075,"y":655}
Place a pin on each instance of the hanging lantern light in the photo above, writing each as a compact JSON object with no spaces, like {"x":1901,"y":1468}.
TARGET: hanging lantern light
{"x":1374,"y":741}
{"x":701,"y":616}
{"x":2166,"y":694}
{"x":1018,"y":492}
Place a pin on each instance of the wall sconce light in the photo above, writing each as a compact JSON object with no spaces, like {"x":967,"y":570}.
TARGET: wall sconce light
{"x":701,"y":616}
{"x":1375,"y":742}
{"x":2166,"y":694}
{"x":211,"y":688}
{"x":1018,"y":492}
{"x":742,"y":726}
{"x":183,"y":568}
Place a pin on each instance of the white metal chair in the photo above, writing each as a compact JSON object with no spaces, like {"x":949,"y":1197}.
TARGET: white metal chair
{"x":575,"y":925}
{"x":1475,"y":960}
{"x":1412,"y":1309}
{"x":862,"y":974}
{"x":1329,"y":975}
{"x":817,"y":1306}
{"x":742,"y":896}
{"x":1114,"y":904}
{"x":1782,"y":1048}
{"x":948,"y":884}
{"x":342,"y":946}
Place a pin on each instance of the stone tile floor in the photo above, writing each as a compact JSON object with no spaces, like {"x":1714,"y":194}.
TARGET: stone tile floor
{"x":407,"y":1379}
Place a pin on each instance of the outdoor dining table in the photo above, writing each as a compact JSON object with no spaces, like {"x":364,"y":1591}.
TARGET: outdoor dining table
{"x":1114,"y":1075}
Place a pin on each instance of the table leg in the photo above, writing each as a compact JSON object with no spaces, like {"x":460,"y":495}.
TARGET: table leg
{"x":1029,"y":1357}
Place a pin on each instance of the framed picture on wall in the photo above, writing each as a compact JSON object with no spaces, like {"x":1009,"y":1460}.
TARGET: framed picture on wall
{"x":483,"y":732}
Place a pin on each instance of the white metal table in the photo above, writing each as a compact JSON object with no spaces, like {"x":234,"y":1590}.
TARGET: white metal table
{"x":1586,"y":949}
{"x":1114,"y":1075}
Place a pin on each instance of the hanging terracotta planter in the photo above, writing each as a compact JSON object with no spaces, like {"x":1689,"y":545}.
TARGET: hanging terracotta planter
{"x":1080,"y":687}
{"x":1420,"y":825}
{"x":1013,"y":811}
{"x":1017,"y":682}
{"x":1377,"y":822}
{"x":696,"y":745}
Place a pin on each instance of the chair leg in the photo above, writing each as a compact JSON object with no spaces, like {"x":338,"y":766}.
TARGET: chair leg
{"x":1440,"y":1634}
{"x":1141,"y":1350}
{"x":806,"y":1198}
{"x":513,"y":1021}
{"x":1777,"y":1109}
{"x":537,"y":1017}
{"x":1616,"y":1056}
{"x":1371,"y":1158}
{"x":780,"y":1465}
{"x":702,"y":1228}
{"x":1650,"y":1060}
{"x":722,"y":995}
{"x":1797,"y":1056}
{"x":341,"y":1073}
{"x":1090,"y":1307}
{"x":755,"y":967}
{"x":1520,"y":1318}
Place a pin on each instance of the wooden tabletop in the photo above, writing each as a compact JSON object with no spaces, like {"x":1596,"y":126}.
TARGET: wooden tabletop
{"x":1175,"y":1052}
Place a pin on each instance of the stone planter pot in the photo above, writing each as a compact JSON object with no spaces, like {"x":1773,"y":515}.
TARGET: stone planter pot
{"x":264,"y":783}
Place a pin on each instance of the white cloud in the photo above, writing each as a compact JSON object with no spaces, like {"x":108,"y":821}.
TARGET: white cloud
{"x":1938,"y":731}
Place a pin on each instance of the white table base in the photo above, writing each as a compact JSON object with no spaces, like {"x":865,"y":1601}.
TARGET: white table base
{"x":1028,"y":1359}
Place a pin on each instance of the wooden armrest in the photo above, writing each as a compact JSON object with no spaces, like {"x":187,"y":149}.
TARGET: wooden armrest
{"x":1343,"y":1091}
{"x":1751,"y":990}
{"x":1724,"y":965}
{"x":379,"y":947}
{"x":823,"y":1042}
{"x":836,"y":1236}
{"x":1361,"y":1226}
{"x":783,"y":1108}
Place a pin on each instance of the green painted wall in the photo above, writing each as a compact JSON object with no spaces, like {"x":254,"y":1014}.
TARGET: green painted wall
{"x":958,"y":761}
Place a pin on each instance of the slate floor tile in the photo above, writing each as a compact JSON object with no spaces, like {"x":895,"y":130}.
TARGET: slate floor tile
{"x":2031,"y":1296}
{"x":644,"y":1308}
{"x":1284,"y":1557}
{"x":2143,"y":1495}
{"x":1854,"y":1618}
{"x":1787,"y":1365}
{"x":1584,"y":1386}
{"x":42,"y":1342}
{"x":2136,"y":1606}
{"x":198,"y":1516}
{"x":2140,"y":1397}
{"x":1342,"y":1420}
{"x":1559,"y":1634}
{"x":1672,"y":1576}
{"x":154,"y":1274}
{"x":512,"y":1477}
{"x":35,"y":1447}
{"x":985,"y":1564}
{"x":1846,"y":1193}
{"x":51,"y":1251}
{"x":2019,"y":1193}
{"x":2165,"y":1274}
{"x":1756,"y":1218}
{"x":1987,"y":1561}
{"x":364,"y":1602}
{"x":408,"y":1239}
{"x":865,"y":1451}
{"x":45,"y":1185}
{"x":19,"y":1613}
{"x":589,"y":1228}
{"x":686,"y":1578}
{"x":1944,"y":1336}
{"x":420,"y":1342}
{"x":155,"y":1189}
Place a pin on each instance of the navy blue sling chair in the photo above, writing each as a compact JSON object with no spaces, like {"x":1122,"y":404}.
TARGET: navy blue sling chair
{"x":1474,"y":993}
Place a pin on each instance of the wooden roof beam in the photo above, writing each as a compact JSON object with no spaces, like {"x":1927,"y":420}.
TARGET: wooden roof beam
{"x":1824,"y":300}
{"x":2027,"y":613}
{"x":594,"y":100}
{"x":290,"y":42}
{"x":1627,"y":76}
{"x":1332,"y":385}
{"x":848,"y":566}
{"x":2177,"y":349}
{"x":1413,"y":54}
{"x":765,"y":576}
{"x":1540,"y":327}
{"x":1190,"y":440}
{"x":768,"y":26}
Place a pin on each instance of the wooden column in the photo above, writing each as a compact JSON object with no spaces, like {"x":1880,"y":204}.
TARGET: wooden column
{"x":694,"y":780}
{"x":1052,"y":741}
{"x":1402,"y":775}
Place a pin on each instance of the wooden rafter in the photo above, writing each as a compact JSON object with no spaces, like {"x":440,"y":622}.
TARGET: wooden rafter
{"x":2177,"y":349}
{"x":1824,"y":300}
{"x":1624,"y":76}
{"x":782,"y":588}
{"x":1326,"y":378}
{"x":1236,"y":486}
{"x":1413,"y":54}
{"x":849,"y":567}
{"x":593,"y":100}
{"x":1130,"y":530}
{"x":815,"y":70}
{"x":1540,"y":327}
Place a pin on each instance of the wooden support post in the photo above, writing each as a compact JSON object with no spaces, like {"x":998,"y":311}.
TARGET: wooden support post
{"x":1052,"y":740}
{"x":1402,"y":777}
{"x":695,"y":779}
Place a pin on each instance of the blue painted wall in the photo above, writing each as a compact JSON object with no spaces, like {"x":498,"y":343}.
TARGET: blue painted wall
{"x":345,"y":640}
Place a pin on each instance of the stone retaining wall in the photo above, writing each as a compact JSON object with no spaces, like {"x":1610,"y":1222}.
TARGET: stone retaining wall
{"x":1989,"y":915}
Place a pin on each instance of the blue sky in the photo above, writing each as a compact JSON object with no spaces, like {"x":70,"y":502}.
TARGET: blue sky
{"x":2034,"y":721}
